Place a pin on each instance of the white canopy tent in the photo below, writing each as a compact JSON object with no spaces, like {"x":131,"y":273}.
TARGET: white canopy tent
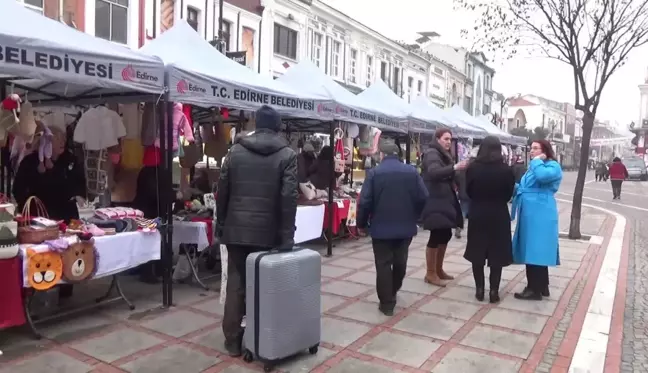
{"x":513,"y":140}
{"x":344,"y":105}
{"x":423,"y":108}
{"x":460,"y":114}
{"x":200,"y":75}
{"x":55,"y":62}
{"x":382,"y":96}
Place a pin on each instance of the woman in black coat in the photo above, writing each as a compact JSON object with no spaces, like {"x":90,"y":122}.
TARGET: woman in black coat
{"x":489,"y":185}
{"x":441,"y":213}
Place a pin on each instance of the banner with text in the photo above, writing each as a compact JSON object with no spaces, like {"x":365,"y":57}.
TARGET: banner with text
{"x":108,"y":72}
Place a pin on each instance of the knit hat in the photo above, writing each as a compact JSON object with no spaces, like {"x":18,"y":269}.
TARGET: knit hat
{"x":389,"y":147}
{"x":268,"y":118}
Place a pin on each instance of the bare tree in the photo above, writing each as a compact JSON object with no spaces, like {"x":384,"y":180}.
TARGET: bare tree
{"x":594,"y":37}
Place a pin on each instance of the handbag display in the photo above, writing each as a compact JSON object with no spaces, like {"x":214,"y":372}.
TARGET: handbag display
{"x":191,"y":154}
{"x":32,"y":234}
{"x":339,"y":151}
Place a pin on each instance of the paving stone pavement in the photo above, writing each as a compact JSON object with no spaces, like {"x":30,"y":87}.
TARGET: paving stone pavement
{"x":434,"y":329}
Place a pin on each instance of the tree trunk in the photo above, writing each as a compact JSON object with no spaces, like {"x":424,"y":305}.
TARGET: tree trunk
{"x":574,"y":225}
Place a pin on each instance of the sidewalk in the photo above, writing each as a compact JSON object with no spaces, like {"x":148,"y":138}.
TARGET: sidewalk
{"x":434,"y":329}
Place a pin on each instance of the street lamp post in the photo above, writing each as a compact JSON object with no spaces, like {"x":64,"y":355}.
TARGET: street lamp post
{"x":221,"y":42}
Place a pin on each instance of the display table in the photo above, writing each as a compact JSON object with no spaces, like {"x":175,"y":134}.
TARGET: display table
{"x":197,"y":233}
{"x":309,"y":222}
{"x":117,"y":253}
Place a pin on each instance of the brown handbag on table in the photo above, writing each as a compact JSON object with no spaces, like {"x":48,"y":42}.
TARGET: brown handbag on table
{"x":29,"y":234}
{"x":192,"y":154}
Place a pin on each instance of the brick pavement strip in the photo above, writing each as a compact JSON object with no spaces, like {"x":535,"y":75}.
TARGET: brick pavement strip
{"x":435,"y":329}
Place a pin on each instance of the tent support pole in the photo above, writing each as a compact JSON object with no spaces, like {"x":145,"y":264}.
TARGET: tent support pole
{"x":171,"y":197}
{"x":4,"y":162}
{"x":332,"y":182}
{"x":408,"y":148}
{"x":162,"y":199}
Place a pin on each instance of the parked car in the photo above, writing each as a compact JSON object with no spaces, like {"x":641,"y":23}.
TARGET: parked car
{"x":636,"y":168}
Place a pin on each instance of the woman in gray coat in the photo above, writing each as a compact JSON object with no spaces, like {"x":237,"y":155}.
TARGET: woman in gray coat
{"x":442,"y":212}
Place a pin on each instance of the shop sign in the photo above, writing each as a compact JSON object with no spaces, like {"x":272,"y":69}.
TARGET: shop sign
{"x":240,"y":57}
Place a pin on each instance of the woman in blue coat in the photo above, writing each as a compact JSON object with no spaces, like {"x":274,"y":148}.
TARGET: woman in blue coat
{"x":535,"y":242}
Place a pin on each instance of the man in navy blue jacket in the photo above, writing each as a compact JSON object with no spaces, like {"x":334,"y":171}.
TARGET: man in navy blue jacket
{"x":391,"y":201}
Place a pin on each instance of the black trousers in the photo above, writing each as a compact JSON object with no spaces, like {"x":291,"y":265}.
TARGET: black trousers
{"x":235,"y":300}
{"x":494,"y":278}
{"x":391,"y":265}
{"x":537,"y":277}
{"x":616,"y":187}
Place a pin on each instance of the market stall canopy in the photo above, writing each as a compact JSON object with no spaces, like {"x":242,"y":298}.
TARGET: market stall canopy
{"x":503,"y":135}
{"x":200,"y":75}
{"x":461,"y":115}
{"x":344,"y":105}
{"x":383,"y":97}
{"x":422,"y":107}
{"x":59,"y":63}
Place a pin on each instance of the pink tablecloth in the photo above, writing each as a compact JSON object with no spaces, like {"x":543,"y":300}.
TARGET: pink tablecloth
{"x":11,"y":286}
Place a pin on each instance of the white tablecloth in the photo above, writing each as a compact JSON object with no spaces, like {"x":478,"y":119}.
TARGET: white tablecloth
{"x":190,"y":232}
{"x":117,"y":253}
{"x":309,"y":222}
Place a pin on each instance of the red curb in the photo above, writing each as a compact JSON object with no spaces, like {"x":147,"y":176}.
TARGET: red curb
{"x":588,"y":261}
{"x":615,"y":338}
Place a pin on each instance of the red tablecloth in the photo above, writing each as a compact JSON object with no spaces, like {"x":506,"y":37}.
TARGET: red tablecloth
{"x":339,"y":214}
{"x":11,"y":286}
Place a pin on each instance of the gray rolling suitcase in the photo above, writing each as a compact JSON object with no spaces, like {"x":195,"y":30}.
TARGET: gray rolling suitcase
{"x":283,"y":295}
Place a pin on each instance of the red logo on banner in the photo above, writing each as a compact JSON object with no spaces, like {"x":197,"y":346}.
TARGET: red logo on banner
{"x":182,"y":86}
{"x":128,"y":73}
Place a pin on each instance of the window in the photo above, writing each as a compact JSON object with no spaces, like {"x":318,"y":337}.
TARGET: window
{"x":111,"y":20}
{"x":285,"y":41}
{"x":353,"y":65}
{"x":469,"y":72}
{"x":35,"y":5}
{"x":410,"y":82}
{"x":420,"y":87}
{"x":517,"y":122}
{"x":192,"y":17}
{"x":316,"y":49}
{"x":438,"y":71}
{"x":370,"y":62}
{"x":226,"y":34}
{"x":468,"y":104}
{"x":486,"y":109}
{"x":336,"y":51}
{"x":396,"y":78}
{"x":383,"y":71}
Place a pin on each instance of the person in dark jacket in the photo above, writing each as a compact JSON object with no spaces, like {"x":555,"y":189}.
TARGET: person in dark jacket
{"x":464,"y":200}
{"x":321,"y":169}
{"x":519,"y":168}
{"x":618,"y":173}
{"x":305,"y":161}
{"x":391,"y":202}
{"x":255,"y":209}
{"x":442,"y":212}
{"x":61,"y":188}
{"x":489,"y":184}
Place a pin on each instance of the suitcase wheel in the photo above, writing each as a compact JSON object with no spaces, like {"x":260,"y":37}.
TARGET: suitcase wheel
{"x":247,"y":356}
{"x":313,"y":350}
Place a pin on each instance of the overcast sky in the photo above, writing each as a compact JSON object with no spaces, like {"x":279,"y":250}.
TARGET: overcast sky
{"x":402,"y":19}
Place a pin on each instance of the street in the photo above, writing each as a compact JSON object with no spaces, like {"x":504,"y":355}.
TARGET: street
{"x":592,"y":322}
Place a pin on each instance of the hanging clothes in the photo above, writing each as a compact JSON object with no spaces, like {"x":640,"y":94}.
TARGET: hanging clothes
{"x":149,"y":126}
{"x":180,"y":126}
{"x":99,"y":128}
{"x":132,"y":117}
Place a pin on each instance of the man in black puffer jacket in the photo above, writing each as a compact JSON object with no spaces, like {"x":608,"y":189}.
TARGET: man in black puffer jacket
{"x":255,"y":209}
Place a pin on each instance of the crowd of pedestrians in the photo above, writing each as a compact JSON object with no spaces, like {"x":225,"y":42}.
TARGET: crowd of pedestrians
{"x":257,"y":202}
{"x":445,"y":196}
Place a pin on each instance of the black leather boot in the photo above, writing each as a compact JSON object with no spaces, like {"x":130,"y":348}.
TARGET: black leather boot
{"x":493,"y":296}
{"x":479,"y":294}
{"x":545,"y":292}
{"x":528,"y":294}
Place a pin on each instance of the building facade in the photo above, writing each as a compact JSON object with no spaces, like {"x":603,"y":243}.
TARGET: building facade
{"x":531,"y":111}
{"x":276,"y":34}
{"x":473,"y":67}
